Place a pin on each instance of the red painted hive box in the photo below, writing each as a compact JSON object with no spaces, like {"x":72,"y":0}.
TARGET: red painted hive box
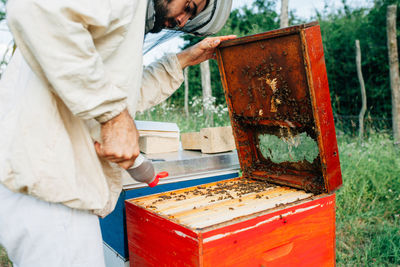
{"x":281,"y":212}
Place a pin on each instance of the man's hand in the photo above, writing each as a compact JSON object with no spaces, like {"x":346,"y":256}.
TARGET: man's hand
{"x":201,"y":51}
{"x":120,"y":140}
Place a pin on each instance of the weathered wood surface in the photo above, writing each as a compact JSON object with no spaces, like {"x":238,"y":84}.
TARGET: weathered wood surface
{"x":363,"y":92}
{"x":217,"y":139}
{"x":191,"y":141}
{"x":284,"y":13}
{"x":186,"y":75}
{"x":394,"y":70}
{"x":151,"y":144}
{"x":209,"y":140}
{"x":207,"y":91}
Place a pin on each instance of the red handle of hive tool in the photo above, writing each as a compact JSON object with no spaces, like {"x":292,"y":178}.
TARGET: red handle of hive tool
{"x":159,"y":176}
{"x":162,"y":174}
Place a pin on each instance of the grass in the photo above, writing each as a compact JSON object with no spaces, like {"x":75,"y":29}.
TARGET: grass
{"x":368,"y":203}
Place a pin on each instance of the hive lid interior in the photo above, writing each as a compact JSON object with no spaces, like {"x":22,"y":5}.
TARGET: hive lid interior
{"x":277,"y":93}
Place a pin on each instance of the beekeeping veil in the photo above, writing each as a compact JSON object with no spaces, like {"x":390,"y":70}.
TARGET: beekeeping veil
{"x":208,"y":22}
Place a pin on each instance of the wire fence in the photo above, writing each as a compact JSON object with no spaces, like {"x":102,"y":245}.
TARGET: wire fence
{"x":349,"y":124}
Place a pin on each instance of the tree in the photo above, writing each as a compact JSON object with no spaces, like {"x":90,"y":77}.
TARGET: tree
{"x":394,"y":70}
{"x":185,"y":72}
{"x":362,"y":87}
{"x":207,"y":92}
{"x":339,"y":31}
{"x":2,"y":9}
{"x":284,"y":13}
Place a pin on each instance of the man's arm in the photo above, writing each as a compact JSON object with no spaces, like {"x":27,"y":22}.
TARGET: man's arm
{"x":162,"y":78}
{"x":201,"y":51}
{"x":118,"y":133}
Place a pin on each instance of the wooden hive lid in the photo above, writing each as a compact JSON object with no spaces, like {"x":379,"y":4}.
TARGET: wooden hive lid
{"x":278,"y":97}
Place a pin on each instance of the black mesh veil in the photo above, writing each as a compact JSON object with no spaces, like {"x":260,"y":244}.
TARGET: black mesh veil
{"x":208,"y":22}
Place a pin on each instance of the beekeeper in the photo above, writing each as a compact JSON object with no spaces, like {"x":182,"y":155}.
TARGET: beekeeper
{"x":76,"y":78}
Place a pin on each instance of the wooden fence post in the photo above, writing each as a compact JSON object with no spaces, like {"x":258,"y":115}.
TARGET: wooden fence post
{"x":186,"y":75}
{"x":207,"y":93}
{"x":284,"y":13}
{"x":394,"y":70}
{"x":363,"y":93}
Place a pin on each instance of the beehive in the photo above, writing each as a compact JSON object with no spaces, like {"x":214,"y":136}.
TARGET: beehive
{"x":281,"y":212}
{"x":237,"y":222}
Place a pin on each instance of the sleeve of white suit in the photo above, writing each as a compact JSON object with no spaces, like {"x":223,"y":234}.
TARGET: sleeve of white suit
{"x":55,"y":39}
{"x":160,"y":80}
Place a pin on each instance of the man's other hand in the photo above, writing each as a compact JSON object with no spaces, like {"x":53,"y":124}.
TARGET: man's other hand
{"x":120,"y":140}
{"x":201,"y":51}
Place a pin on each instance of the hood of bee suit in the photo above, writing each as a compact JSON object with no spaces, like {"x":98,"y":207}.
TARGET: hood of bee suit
{"x":208,"y":22}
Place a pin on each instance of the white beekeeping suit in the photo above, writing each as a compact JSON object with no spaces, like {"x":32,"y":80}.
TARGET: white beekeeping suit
{"x":68,"y":80}
{"x":78,"y":64}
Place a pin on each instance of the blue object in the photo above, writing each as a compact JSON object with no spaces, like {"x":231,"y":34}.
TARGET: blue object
{"x":113,"y":227}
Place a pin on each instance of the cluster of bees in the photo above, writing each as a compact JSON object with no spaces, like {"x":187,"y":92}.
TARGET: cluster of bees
{"x":228,"y":190}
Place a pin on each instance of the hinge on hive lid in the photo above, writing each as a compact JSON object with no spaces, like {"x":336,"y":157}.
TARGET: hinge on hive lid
{"x":277,"y":93}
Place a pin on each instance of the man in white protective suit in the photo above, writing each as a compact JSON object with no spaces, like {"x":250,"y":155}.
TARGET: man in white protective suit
{"x":76,"y":77}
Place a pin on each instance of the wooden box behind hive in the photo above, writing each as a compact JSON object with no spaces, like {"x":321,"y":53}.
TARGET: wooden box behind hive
{"x":237,"y":222}
{"x":158,"y":137}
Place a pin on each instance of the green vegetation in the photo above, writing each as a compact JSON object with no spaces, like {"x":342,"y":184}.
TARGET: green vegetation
{"x":368,"y":204}
{"x":2,"y":9}
{"x":339,"y":32}
{"x":288,"y":149}
{"x":197,"y":120}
